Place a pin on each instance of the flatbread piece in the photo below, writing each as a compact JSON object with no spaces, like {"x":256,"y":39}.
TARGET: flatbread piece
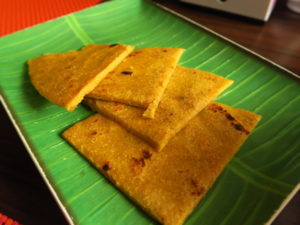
{"x":167,"y":184}
{"x":140,"y":79}
{"x":65,"y":78}
{"x":188,"y":92}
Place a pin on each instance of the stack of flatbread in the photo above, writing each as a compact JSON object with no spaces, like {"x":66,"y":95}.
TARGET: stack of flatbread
{"x":158,"y":134}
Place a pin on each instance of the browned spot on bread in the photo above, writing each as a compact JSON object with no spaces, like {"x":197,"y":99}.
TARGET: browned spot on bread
{"x":239,"y":127}
{"x":94,"y":132}
{"x":182,"y":98}
{"x":146,"y":154}
{"x":68,"y":67}
{"x":126,"y":72}
{"x":183,"y":171}
{"x":210,"y":78}
{"x":106,"y":166}
{"x":230,"y":117}
{"x":134,"y":53}
{"x":194,"y":183}
{"x":216,"y":108}
{"x":198,"y":192}
{"x":139,"y":162}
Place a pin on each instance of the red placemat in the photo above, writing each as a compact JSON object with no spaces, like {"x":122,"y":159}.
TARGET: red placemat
{"x":19,"y":14}
{"x":4,"y":220}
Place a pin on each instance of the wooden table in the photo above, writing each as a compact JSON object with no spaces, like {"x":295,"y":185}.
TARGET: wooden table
{"x":277,"y":40}
{"x":23,"y":194}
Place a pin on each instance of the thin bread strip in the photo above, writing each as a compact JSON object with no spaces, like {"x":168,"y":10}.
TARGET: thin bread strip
{"x":188,"y":92}
{"x":65,"y":78}
{"x":141,"y":79}
{"x":169,"y":184}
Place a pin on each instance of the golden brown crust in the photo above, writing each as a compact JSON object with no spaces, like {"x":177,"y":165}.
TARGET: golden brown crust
{"x":188,"y":92}
{"x":140,"y":79}
{"x":65,"y":78}
{"x":167,"y":184}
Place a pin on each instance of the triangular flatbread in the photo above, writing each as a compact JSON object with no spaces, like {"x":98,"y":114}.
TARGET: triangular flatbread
{"x":140,"y":79}
{"x":169,"y":184}
{"x":65,"y":78}
{"x":188,"y":92}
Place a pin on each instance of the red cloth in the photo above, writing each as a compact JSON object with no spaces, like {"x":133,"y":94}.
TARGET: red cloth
{"x":4,"y":220}
{"x":19,"y":14}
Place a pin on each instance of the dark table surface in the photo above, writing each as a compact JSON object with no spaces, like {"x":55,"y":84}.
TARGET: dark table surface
{"x":23,"y":194}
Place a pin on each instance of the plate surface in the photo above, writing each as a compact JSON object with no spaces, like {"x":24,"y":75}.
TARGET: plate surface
{"x":252,"y":186}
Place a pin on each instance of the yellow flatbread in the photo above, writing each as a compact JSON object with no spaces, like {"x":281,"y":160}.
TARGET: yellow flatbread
{"x":140,"y":79}
{"x":188,"y":92}
{"x":169,"y":184}
{"x":65,"y":78}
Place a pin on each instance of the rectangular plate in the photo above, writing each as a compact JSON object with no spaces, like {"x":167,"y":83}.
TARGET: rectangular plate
{"x":251,"y":188}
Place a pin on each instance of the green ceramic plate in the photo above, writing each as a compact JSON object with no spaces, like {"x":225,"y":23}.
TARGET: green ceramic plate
{"x":254,"y":184}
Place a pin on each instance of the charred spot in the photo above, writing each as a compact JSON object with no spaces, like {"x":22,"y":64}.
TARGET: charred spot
{"x":198,"y":192}
{"x":230,"y":117}
{"x":139,"y":162}
{"x":171,"y":114}
{"x":165,"y":50}
{"x":146,"y":154}
{"x":96,"y":120}
{"x":239,"y":127}
{"x":105,"y":167}
{"x":126,"y":72}
{"x":142,"y":162}
{"x":216,"y":108}
{"x":194,"y":183}
{"x":94,"y":132}
{"x":112,"y":45}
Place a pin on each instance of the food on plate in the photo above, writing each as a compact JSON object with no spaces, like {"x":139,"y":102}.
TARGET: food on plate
{"x":170,"y":183}
{"x":141,"y":79}
{"x":65,"y":78}
{"x":158,"y":136}
{"x":187,"y":93}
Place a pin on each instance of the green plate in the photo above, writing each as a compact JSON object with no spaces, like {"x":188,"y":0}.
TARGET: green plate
{"x":252,"y":187}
